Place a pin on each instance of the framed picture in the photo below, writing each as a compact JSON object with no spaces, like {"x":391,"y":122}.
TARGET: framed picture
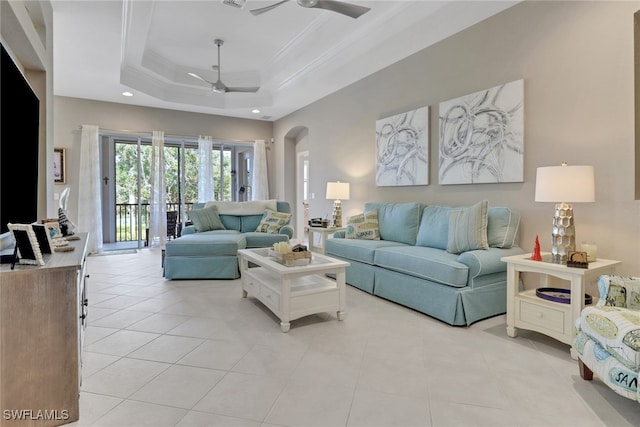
{"x":44,"y":241}
{"x":482,"y":136}
{"x":59,"y":166}
{"x":28,"y":249}
{"x":402,"y":143}
{"x":577,"y":259}
{"x":53,"y":229}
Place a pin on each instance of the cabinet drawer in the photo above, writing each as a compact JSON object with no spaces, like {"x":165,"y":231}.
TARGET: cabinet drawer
{"x":251,"y":286}
{"x":270,"y":297}
{"x":542,"y":316}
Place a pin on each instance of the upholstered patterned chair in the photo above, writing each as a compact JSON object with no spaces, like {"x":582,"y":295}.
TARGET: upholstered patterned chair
{"x":608,"y":336}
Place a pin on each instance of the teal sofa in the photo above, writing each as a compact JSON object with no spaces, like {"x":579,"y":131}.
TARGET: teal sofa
{"x":213,"y":254}
{"x":443,"y":261}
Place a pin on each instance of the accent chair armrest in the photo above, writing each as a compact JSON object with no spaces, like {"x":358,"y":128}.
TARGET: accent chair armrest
{"x":288,"y":230}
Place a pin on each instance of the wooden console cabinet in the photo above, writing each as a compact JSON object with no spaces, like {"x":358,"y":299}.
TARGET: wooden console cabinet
{"x":42,"y":317}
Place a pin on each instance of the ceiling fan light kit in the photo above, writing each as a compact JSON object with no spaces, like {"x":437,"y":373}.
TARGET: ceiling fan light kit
{"x":218,"y":86}
{"x":235,"y":3}
{"x":348,"y":9}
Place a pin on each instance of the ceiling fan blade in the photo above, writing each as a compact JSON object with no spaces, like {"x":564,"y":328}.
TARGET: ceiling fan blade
{"x":243,"y":89}
{"x":352,"y":10}
{"x":200,"y":78}
{"x":267,"y":8}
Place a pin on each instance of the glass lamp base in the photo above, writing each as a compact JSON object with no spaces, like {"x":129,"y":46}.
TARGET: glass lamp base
{"x":563,"y":235}
{"x":337,"y":214}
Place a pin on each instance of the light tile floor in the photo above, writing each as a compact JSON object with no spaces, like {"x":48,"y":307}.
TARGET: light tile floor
{"x":195,"y":353}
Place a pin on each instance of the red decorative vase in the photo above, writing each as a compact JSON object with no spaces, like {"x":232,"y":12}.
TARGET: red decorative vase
{"x":536,"y":251}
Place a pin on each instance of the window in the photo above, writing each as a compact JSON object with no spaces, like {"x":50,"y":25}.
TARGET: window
{"x":129,"y":184}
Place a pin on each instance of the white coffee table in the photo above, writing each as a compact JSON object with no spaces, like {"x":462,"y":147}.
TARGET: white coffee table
{"x":296,"y":291}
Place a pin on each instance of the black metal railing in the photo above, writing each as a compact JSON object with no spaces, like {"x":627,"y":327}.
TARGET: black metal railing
{"x":127,"y":219}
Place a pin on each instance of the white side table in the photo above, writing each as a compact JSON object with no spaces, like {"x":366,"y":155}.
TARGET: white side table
{"x":527,"y":311}
{"x":324,"y":234}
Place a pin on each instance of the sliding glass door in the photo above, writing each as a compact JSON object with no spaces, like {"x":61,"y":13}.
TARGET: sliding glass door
{"x":128,"y":184}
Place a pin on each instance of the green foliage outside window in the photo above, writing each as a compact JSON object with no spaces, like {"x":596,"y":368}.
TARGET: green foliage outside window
{"x":127,"y":174}
{"x":126,"y":185}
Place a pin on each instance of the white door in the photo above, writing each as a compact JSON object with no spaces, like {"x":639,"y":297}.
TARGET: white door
{"x":302,"y":195}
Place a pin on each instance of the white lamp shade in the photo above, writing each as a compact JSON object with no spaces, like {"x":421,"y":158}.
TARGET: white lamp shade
{"x":571,"y":184}
{"x":338,"y":190}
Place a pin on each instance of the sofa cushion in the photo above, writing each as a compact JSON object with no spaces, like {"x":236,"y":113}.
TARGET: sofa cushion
{"x":208,"y":243}
{"x":232,"y":222}
{"x":468,"y":228}
{"x":503,"y":227}
{"x":356,"y":249}
{"x":363,"y":226}
{"x":431,"y":264}
{"x":272,"y":221}
{"x":206,"y":219}
{"x":249,"y":223}
{"x":263,"y":240}
{"x":434,"y":227}
{"x":398,"y":222}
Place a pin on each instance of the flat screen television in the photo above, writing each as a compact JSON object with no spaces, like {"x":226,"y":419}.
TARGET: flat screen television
{"x":19,"y":146}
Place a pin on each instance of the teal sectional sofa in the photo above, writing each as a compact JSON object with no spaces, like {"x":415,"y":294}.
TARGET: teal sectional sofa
{"x":212,"y":254}
{"x":443,"y":261}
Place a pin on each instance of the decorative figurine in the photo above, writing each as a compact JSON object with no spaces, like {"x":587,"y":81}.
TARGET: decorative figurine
{"x":536,"y":251}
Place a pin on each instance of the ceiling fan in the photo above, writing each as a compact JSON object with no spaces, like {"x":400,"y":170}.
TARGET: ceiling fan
{"x":218,"y":86}
{"x":349,"y":9}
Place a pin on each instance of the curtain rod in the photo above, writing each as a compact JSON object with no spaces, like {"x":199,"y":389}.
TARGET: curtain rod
{"x":115,"y":132}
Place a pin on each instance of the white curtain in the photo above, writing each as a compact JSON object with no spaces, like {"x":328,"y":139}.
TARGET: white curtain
{"x":89,"y":191}
{"x":157,"y":202}
{"x":260,"y":178}
{"x":205,"y":169}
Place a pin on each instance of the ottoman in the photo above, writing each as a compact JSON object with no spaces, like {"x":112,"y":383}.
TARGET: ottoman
{"x":204,"y":256}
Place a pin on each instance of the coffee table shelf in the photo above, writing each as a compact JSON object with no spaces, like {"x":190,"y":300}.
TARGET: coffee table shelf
{"x":296,"y":291}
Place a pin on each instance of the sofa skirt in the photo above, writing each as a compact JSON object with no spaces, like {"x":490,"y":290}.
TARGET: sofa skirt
{"x":436,"y":300}
{"x":205,"y":267}
{"x":455,"y":306}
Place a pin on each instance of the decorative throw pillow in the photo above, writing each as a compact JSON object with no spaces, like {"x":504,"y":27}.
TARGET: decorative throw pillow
{"x":272,"y":221}
{"x":434,"y":227}
{"x":363,"y":226}
{"x":206,"y":219}
{"x":503,"y":225}
{"x":468,"y":228}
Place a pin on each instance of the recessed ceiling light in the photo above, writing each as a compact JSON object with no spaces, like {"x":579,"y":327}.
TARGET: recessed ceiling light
{"x":127,"y":94}
{"x":255,"y":111}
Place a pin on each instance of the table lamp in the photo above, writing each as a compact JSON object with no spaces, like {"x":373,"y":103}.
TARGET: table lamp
{"x":337,"y":191}
{"x":564,"y":185}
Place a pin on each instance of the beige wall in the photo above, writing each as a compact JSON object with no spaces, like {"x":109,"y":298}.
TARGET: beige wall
{"x":576,"y":59}
{"x":71,"y":113}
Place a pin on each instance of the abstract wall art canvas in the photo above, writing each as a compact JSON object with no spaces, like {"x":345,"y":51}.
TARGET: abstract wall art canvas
{"x":482,"y":136}
{"x":403,"y":149}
